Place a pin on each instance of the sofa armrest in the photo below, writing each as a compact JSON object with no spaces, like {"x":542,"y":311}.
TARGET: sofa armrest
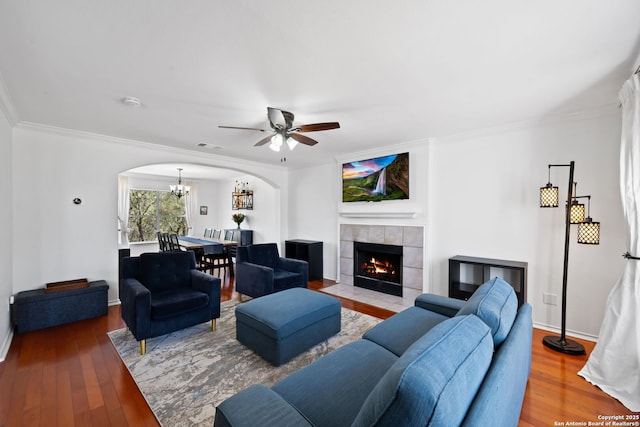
{"x":206,"y":283}
{"x":439,"y":304}
{"x":509,"y":373}
{"x":210,"y":285}
{"x":254,"y":280}
{"x":258,"y":405}
{"x":296,"y":266}
{"x":136,"y":307}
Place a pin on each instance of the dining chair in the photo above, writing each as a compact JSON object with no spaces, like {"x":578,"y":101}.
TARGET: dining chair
{"x":166,"y":247}
{"x":218,"y":261}
{"x":208,"y":232}
{"x":160,"y":241}
{"x":163,"y":241}
{"x":174,"y":244}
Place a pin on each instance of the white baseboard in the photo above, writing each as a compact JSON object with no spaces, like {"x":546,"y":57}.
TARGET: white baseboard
{"x":5,"y":345}
{"x":580,"y":335}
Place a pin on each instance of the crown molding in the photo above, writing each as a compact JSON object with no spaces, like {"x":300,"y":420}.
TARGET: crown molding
{"x":72,"y":133}
{"x":6,"y":105}
{"x":382,"y":151}
{"x":591,"y":113}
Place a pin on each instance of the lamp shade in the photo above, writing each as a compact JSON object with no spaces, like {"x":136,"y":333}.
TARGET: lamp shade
{"x":549,"y":196}
{"x":577,"y":212}
{"x":276,"y":142}
{"x":291,"y":143}
{"x":589,"y":232}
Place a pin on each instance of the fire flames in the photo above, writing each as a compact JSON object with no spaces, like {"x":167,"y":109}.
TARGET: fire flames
{"x":379,"y":267}
{"x":375,"y":267}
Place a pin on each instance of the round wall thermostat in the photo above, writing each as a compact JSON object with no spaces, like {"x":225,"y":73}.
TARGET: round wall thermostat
{"x":77,"y":201}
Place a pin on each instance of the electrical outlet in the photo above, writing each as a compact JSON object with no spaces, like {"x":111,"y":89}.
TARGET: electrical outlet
{"x":551,"y":299}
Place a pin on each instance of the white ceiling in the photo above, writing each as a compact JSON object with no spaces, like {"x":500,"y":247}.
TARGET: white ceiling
{"x":388,"y":71}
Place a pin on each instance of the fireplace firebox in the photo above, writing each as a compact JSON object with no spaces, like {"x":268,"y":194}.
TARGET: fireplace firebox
{"x":378,"y":267}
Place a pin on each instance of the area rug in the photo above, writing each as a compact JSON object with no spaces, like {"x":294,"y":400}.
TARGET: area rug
{"x":186,"y":374}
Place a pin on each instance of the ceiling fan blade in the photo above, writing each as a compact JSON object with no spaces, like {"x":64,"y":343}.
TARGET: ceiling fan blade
{"x":277,"y":119}
{"x":315,"y":127}
{"x":303,"y":139}
{"x":243,"y":128}
{"x":263,"y":141}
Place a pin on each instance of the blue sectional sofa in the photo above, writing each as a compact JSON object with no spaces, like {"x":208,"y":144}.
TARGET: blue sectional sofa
{"x":443,"y":362}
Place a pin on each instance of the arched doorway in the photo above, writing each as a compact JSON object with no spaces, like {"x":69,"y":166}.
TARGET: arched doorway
{"x":210,"y":200}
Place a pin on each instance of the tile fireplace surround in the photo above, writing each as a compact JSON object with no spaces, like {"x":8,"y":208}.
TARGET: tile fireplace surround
{"x":411,"y":238}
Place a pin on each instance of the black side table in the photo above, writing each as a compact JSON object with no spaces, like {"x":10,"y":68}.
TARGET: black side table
{"x":306,"y":250}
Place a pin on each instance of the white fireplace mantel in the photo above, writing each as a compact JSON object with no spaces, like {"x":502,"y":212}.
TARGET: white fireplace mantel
{"x":355,"y":214}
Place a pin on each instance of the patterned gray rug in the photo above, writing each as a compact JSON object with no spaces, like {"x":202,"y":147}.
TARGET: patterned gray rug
{"x":185,"y":374}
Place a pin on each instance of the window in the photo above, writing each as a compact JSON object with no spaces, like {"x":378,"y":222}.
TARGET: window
{"x":153,"y":211}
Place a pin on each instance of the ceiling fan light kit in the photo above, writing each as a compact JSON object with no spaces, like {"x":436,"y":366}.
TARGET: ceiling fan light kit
{"x":281,"y":122}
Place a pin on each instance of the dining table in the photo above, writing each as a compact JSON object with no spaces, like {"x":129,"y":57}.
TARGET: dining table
{"x":209,"y":246}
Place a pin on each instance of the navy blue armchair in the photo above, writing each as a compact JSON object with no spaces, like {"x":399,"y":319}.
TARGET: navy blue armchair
{"x":164,"y":292}
{"x":261,"y":271}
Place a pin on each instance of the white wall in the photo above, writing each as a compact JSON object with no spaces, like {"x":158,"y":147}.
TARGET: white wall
{"x":484,"y":201}
{"x":478,"y":195}
{"x":312,"y":197}
{"x":6,"y":218}
{"x":211,"y":195}
{"x":265,"y":217}
{"x":60,"y":240}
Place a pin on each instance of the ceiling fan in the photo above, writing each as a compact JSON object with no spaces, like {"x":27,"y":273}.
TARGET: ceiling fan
{"x":284,"y":131}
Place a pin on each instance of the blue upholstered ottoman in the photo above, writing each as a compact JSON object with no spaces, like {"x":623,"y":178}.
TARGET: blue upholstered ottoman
{"x":282,"y":325}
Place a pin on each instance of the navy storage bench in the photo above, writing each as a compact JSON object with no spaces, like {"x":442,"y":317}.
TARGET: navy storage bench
{"x":32,"y":310}
{"x":282,"y":325}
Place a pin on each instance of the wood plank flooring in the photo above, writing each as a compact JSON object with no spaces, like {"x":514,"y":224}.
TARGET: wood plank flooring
{"x":71,"y":375}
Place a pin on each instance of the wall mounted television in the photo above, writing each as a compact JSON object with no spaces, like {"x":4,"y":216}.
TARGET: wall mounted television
{"x":380,"y":178}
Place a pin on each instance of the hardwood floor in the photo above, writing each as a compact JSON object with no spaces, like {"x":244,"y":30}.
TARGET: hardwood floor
{"x":71,"y":375}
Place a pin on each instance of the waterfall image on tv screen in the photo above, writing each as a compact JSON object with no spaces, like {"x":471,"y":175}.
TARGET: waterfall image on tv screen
{"x":381,"y":178}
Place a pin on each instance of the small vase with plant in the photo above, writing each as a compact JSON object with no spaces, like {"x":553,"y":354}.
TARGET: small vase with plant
{"x":238,"y":218}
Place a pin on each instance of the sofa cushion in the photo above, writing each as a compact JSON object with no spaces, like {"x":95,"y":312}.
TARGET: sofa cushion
{"x":435,"y":380}
{"x":166,"y":270}
{"x":496,"y":304}
{"x":267,"y":408}
{"x":286,"y":279}
{"x":341,"y":381}
{"x":401,"y":330}
{"x":176,"y":301}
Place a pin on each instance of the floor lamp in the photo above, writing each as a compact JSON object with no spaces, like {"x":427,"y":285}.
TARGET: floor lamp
{"x":588,"y":233}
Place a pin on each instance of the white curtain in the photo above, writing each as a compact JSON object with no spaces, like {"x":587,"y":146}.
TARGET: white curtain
{"x":123,"y":211}
{"x":614,"y":364}
{"x":190,"y":201}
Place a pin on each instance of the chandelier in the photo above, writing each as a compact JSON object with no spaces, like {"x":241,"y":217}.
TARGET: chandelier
{"x":180,"y":190}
